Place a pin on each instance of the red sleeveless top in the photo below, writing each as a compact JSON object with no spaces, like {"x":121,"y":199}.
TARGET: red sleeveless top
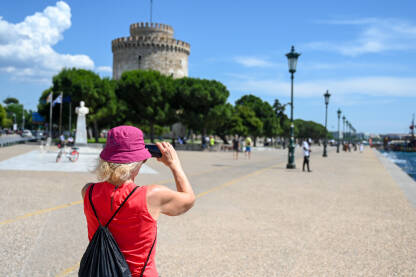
{"x":133,"y":228}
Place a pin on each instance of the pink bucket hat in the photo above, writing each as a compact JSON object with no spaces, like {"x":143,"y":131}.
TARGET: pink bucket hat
{"x":124,"y":145}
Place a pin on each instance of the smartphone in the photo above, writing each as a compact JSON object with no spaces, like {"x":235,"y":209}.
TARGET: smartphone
{"x":154,"y":150}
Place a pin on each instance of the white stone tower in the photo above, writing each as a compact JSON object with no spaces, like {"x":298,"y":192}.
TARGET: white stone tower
{"x":150,"y":46}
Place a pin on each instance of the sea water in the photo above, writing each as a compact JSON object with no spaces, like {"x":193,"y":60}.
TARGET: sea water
{"x":405,"y":160}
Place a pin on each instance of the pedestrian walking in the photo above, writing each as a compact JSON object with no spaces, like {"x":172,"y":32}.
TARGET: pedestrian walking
{"x":134,"y":226}
{"x":306,"y":155}
{"x":248,"y":147}
{"x":62,"y":140}
{"x":236,"y":147}
{"x":361,"y":148}
{"x":211,"y":143}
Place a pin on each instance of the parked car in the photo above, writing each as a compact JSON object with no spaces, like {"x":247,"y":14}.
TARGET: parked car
{"x":26,"y":133}
{"x":38,"y":134}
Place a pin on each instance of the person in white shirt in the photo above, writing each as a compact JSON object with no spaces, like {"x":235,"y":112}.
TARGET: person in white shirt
{"x":62,"y":140}
{"x":361,"y":148}
{"x":306,"y":154}
{"x":70,"y":141}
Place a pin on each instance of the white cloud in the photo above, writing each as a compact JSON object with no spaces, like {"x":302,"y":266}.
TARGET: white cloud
{"x":252,"y":61}
{"x":106,"y":69}
{"x":372,"y":86}
{"x":376,"y":35}
{"x":26,"y":48}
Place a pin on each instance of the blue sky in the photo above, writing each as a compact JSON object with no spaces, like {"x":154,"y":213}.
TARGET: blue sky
{"x":363,"y":52}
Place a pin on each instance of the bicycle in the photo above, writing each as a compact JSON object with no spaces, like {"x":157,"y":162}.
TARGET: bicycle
{"x":72,"y":154}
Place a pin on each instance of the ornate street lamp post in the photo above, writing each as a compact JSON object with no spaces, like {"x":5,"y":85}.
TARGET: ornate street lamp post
{"x":343,"y":131}
{"x":347,"y":139}
{"x":292,"y":58}
{"x":23,"y":118}
{"x":347,"y":124}
{"x":339,"y":133}
{"x":326,"y":96}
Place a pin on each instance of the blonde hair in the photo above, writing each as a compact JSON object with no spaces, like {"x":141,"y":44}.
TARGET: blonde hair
{"x":114,"y":173}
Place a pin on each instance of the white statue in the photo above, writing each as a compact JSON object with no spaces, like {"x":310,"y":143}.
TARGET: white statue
{"x":81,"y":133}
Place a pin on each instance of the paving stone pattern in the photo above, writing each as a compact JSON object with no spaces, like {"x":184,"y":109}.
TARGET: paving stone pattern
{"x":252,"y":218}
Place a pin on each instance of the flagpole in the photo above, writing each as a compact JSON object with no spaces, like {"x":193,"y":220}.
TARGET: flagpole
{"x":60,"y":114}
{"x":50,"y":117}
{"x":70,"y":110}
{"x":151,"y":11}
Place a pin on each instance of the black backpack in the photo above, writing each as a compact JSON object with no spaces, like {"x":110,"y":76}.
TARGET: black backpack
{"x":103,"y":257}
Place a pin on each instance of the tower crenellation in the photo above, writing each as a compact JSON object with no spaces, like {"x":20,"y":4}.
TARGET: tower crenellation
{"x":150,"y":46}
{"x":145,"y":28}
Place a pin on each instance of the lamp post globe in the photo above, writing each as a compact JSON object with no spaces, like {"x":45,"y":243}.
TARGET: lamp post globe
{"x":292,"y":58}
{"x":326,"y":96}
{"x":339,"y":132}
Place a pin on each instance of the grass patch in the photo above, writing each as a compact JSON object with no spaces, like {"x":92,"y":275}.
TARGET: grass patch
{"x":100,"y":140}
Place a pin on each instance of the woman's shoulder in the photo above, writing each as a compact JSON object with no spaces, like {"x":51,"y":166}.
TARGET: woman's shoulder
{"x":153,"y":188}
{"x":156,"y":191}
{"x":84,"y":189}
{"x":87,"y":185}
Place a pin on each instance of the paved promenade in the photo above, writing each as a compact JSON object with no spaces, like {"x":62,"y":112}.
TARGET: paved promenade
{"x":350,"y":217}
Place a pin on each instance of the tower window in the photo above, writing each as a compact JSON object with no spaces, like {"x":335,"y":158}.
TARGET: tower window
{"x":140,"y":62}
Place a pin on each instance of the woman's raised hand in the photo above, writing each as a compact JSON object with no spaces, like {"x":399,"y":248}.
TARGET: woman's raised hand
{"x":169,"y":156}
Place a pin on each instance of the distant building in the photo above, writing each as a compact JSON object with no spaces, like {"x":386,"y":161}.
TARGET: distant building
{"x":394,"y":136}
{"x":150,"y":46}
{"x":360,"y":136}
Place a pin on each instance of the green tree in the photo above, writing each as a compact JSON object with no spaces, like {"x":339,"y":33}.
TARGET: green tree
{"x":105,"y":113}
{"x":196,"y":100}
{"x":284,"y":121}
{"x":264,"y":112}
{"x":224,"y":120}
{"x":43,"y":107}
{"x":82,"y":85}
{"x":271,"y":127}
{"x":147,"y":97}
{"x":14,"y":110}
{"x":4,"y":121}
{"x":237,"y":126}
{"x":309,"y":129}
{"x":10,"y":100}
{"x":252,"y":124}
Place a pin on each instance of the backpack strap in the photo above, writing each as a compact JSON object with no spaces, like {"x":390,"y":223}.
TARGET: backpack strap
{"x":125,"y":200}
{"x":92,"y":205}
{"x":148,"y":256}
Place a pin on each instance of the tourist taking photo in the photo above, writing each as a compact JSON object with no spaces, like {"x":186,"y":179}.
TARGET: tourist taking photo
{"x":134,"y":227}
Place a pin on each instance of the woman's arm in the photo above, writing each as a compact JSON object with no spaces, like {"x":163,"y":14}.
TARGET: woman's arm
{"x":161,"y":199}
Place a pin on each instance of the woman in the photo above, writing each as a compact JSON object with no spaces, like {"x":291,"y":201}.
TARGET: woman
{"x":134,"y":227}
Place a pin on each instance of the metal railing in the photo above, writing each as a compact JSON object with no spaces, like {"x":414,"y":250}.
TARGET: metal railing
{"x":6,"y":140}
